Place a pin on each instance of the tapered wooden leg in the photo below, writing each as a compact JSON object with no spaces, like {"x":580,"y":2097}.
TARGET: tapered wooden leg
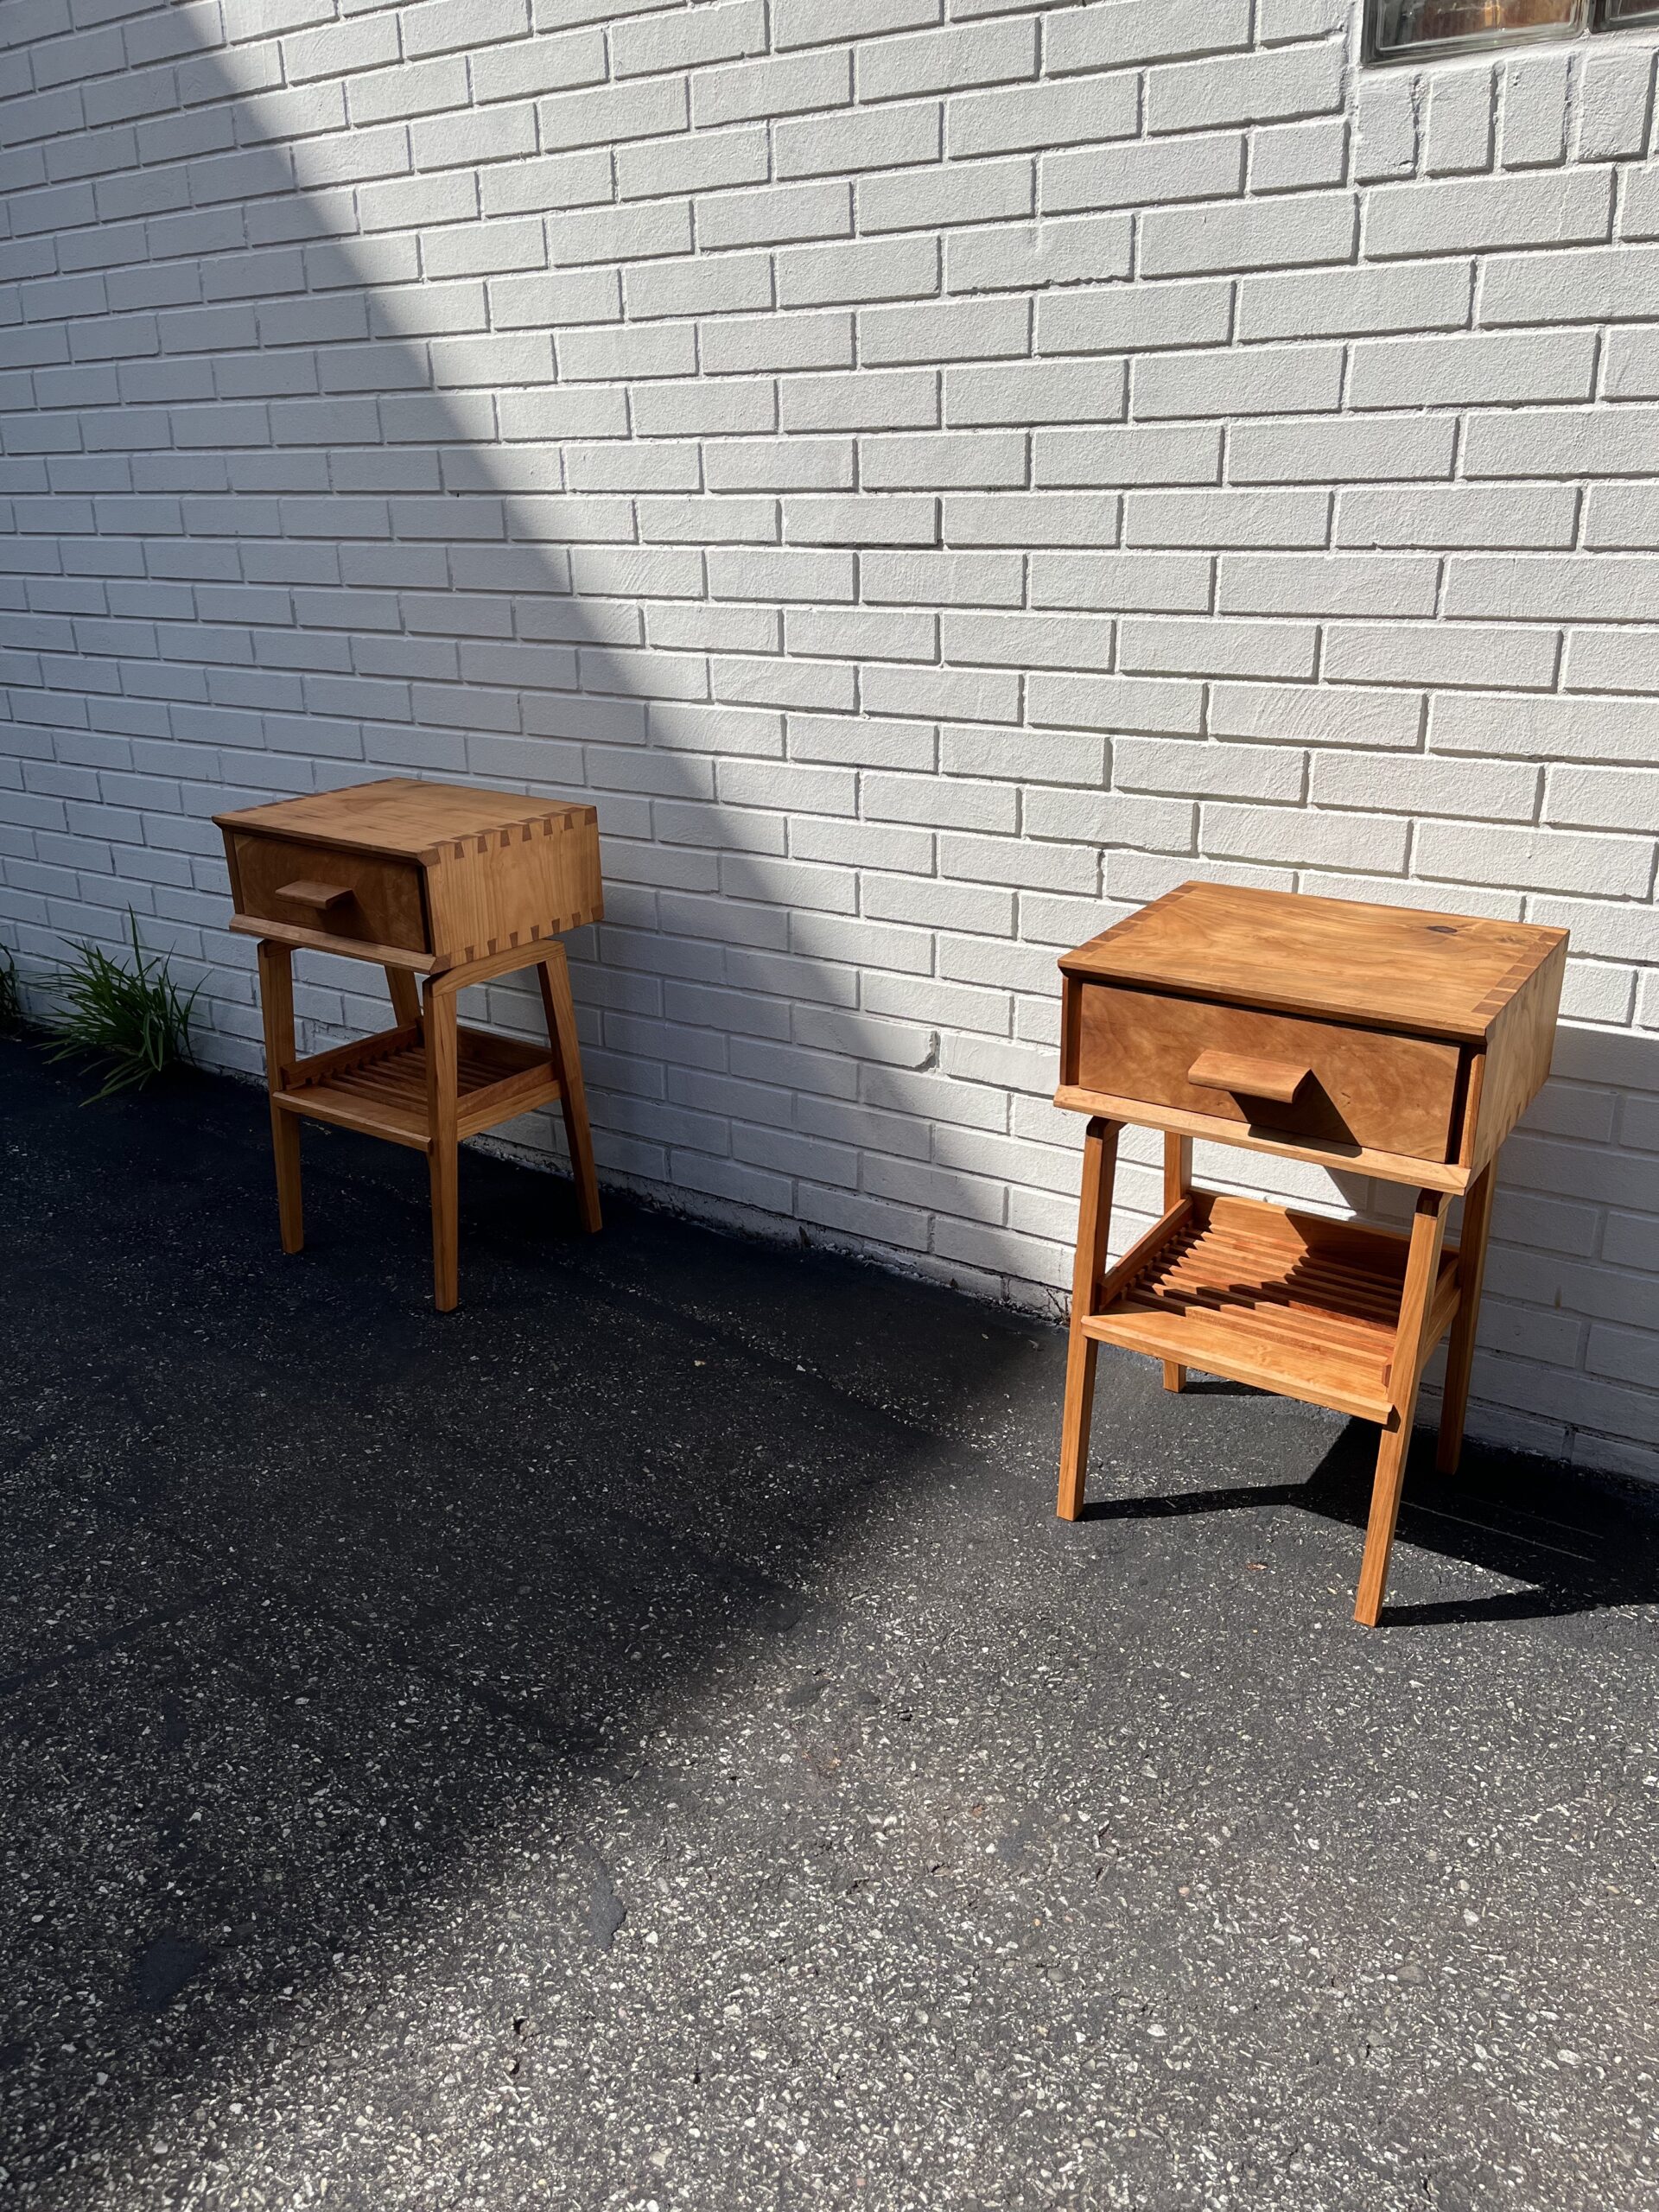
{"x":1094,"y":1220}
{"x":1423,"y":1268}
{"x":276,"y":1008}
{"x":554,"y":974}
{"x":405,"y":997}
{"x":1460,"y":1352}
{"x":442,"y":1080}
{"x":1178,"y":1181}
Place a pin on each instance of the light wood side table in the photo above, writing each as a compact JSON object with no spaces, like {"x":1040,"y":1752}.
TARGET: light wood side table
{"x":1379,"y":1039}
{"x":436,"y":882}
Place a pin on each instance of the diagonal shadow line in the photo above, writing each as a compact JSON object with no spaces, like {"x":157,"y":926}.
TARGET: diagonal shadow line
{"x":368,"y":1568}
{"x":80,"y":1654}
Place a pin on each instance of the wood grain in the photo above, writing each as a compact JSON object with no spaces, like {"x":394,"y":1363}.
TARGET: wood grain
{"x":457,"y":884}
{"x":1397,"y":968}
{"x":1362,"y":1087}
{"x":1360,"y":1160}
{"x":276,"y":1010}
{"x":375,"y":900}
{"x":441,"y":871}
{"x":1412,"y":1345}
{"x":1094,"y":1221}
{"x":1396,"y":1043}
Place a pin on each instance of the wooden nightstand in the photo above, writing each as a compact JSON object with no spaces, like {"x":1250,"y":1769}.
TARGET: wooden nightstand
{"x":437,"y":881}
{"x":1392,"y":1043}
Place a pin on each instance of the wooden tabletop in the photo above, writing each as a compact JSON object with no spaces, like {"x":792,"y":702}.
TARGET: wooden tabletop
{"x":1386,"y":967}
{"x":401,"y":815}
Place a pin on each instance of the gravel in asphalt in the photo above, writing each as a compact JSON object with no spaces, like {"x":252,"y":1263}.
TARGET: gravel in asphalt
{"x":643,"y":1743}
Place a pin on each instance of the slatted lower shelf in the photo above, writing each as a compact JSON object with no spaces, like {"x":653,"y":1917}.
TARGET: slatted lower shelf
{"x":379,"y":1085}
{"x":1289,"y":1302}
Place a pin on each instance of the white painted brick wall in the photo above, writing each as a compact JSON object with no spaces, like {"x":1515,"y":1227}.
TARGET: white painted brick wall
{"x":937,"y":474}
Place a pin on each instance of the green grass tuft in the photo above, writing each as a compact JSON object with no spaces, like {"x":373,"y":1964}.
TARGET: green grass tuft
{"x":132,"y":1018}
{"x":11,"y":1008}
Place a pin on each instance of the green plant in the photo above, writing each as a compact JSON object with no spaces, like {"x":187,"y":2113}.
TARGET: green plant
{"x":134,"y":1018}
{"x":11,"y":1011}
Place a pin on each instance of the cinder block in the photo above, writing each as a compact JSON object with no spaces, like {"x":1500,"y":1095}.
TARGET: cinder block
{"x":1355,"y":450}
{"x":765,"y":89}
{"x":1248,"y":234}
{"x":1032,"y":391}
{"x":947,"y":60}
{"x":1441,"y":653}
{"x":1298,"y":157}
{"x":871,"y":138}
{"x":1121,"y":32}
{"x":1141,"y":453}
{"x":1478,"y":214}
{"x":1136,"y":318}
{"x":1238,"y":380}
{"x":1029,"y":255}
{"x":1534,"y":110}
{"x":966,"y":330}
{"x":1036,"y":117}
{"x":1472,"y":370}
{"x":1494,"y":791}
{"x":1147,"y":173}
{"x":1262,"y":87}
{"x":1543,"y":727}
{"x":1458,"y":515}
{"x":1588,"y":443}
{"x":1615,"y":104}
{"x":1360,"y":302}
{"x":963,"y":193}
{"x":1218,"y":648}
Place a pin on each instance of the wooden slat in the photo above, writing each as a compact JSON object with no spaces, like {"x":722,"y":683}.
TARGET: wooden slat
{"x":379,"y":1084}
{"x":1387,"y":1167}
{"x":383,"y":955}
{"x":1283,"y":1300}
{"x":514,"y":1094}
{"x":1225,"y":1348}
{"x":358,"y":1053}
{"x":349,"y":1113}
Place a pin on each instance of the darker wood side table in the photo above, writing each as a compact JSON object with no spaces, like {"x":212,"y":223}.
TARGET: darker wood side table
{"x":441,"y":882}
{"x":1392,"y":1043}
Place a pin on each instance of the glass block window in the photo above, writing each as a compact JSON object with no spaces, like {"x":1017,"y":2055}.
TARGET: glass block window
{"x":1414,"y":28}
{"x":1614,"y":12}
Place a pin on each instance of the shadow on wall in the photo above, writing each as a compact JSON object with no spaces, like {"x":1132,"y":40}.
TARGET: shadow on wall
{"x":313,"y":564}
{"x":1565,"y":1364}
{"x":336,"y":544}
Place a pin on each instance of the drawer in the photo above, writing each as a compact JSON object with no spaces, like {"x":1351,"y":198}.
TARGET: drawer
{"x":362,"y":898}
{"x":1313,"y":1082}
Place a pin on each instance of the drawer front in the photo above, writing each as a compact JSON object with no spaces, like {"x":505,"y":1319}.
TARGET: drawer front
{"x":358,"y":897}
{"x":1313,"y":1082}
